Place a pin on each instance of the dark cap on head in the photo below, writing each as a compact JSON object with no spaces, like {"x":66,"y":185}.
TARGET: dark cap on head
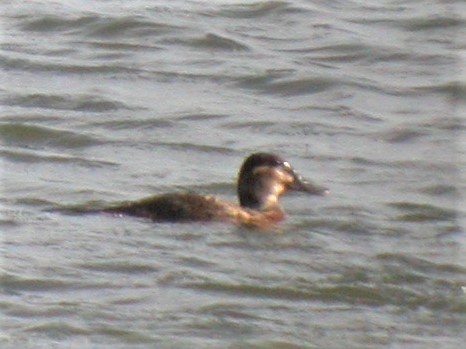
{"x":250,"y":184}
{"x":260,"y":159}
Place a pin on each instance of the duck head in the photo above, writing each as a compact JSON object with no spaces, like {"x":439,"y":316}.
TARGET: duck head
{"x":264,"y":177}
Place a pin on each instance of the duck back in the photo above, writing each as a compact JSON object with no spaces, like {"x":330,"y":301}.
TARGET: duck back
{"x":174,"y":208}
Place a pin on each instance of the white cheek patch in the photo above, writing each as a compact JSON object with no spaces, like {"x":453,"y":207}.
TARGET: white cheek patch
{"x":285,"y":177}
{"x":279,"y":175}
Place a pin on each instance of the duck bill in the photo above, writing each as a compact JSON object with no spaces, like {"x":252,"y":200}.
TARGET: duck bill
{"x":300,"y":184}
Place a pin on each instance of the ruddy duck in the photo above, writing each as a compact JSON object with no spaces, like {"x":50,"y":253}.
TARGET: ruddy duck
{"x":262,"y":180}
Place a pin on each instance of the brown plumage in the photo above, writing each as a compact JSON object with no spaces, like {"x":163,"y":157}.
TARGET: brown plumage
{"x":262,"y":180}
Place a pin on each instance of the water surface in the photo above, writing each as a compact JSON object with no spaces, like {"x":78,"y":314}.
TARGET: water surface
{"x":107,"y":101}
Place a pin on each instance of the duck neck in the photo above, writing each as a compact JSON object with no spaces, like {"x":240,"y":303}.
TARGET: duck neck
{"x":259,"y":195}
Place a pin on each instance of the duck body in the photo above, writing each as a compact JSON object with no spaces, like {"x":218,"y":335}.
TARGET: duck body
{"x":182,"y":208}
{"x":174,"y":207}
{"x":262,"y":180}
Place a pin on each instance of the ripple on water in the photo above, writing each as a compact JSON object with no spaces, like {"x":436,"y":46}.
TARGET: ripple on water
{"x":415,"y":212}
{"x":289,"y":87}
{"x":97,"y":26}
{"x":14,"y":284}
{"x":51,"y":23}
{"x":83,"y":103}
{"x":57,"y":329}
{"x":47,"y":157}
{"x":448,"y":190}
{"x":218,"y":42}
{"x":30,"y":136}
{"x":391,"y":293}
{"x":123,"y":267}
{"x":257,"y":10}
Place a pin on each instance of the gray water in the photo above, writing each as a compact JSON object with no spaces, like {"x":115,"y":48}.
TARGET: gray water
{"x":106,"y":101}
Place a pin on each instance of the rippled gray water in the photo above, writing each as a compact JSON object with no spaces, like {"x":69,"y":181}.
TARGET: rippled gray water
{"x":106,"y":101}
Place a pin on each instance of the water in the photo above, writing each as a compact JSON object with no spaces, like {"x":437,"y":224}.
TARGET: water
{"x":107,"y":101}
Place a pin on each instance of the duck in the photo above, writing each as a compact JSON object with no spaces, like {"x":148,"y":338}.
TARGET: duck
{"x":262,"y":180}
